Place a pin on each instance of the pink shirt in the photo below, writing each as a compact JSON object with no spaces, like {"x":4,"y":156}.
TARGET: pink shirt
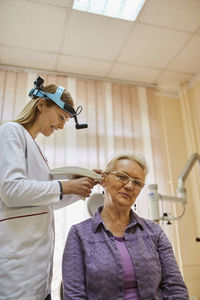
{"x":130,"y":282}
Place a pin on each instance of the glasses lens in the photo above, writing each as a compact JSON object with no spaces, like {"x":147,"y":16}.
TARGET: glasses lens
{"x":122,"y":176}
{"x":137,"y":183}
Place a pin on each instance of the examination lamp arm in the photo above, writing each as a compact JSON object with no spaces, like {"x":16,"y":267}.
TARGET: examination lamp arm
{"x":188,"y":167}
{"x":154,"y":196}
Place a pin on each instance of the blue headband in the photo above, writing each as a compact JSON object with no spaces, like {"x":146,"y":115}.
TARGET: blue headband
{"x":55,"y":97}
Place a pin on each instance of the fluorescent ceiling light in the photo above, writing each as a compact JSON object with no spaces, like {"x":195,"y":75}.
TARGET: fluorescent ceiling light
{"x":121,"y":9}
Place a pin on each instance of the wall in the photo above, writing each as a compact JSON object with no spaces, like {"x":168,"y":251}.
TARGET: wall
{"x":190,"y":109}
{"x":180,"y":116}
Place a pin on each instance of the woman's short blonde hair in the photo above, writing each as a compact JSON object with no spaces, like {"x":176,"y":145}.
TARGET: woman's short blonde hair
{"x":136,"y":157}
{"x":29,"y":113}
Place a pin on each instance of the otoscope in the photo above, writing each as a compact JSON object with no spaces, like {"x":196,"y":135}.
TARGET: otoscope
{"x":37,"y":91}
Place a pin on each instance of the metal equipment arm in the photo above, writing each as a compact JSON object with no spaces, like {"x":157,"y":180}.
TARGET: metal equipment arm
{"x":154,"y":196}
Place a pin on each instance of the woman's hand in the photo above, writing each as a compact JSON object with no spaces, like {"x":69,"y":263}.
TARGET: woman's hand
{"x":80,"y":186}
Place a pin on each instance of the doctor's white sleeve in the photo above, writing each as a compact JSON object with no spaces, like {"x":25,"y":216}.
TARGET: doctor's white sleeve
{"x":16,"y":189}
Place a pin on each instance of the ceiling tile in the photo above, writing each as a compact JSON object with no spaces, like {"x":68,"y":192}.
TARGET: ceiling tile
{"x":188,"y":59}
{"x":152,"y":46}
{"x":177,"y":14}
{"x":63,"y":3}
{"x":71,"y":64}
{"x":170,"y":80}
{"x":93,"y":36}
{"x":134,"y":74}
{"x":34,"y":26}
{"x":49,"y":35}
{"x":27,"y":58}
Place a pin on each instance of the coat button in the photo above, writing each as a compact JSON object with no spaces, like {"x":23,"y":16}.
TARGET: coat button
{"x":137,"y":264}
{"x":141,"y":286}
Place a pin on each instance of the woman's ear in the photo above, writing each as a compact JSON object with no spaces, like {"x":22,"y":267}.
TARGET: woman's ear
{"x":42,"y":105}
{"x":103,"y":180}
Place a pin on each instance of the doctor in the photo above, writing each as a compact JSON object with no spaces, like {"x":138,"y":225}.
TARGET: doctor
{"x":28,"y":197}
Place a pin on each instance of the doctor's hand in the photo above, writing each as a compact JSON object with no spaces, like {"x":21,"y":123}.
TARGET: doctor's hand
{"x":100,"y":172}
{"x":80,"y":186}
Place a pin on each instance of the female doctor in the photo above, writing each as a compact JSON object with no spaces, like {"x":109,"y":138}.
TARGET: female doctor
{"x":28,"y":196}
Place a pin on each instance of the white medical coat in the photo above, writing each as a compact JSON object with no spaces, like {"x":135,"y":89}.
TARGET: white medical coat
{"x":27,"y":201}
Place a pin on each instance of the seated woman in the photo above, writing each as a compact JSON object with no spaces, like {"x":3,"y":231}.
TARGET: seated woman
{"x":117,"y":255}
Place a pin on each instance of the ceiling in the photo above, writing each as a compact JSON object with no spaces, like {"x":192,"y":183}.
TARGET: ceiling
{"x":162,"y":47}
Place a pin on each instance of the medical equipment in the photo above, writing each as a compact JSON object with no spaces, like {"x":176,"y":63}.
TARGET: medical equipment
{"x":56,"y":98}
{"x":154,"y":196}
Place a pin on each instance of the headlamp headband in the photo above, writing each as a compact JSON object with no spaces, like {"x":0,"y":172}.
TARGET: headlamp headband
{"x":56,"y":98}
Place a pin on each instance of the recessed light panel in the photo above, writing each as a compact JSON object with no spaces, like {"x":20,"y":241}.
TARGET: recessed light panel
{"x":121,"y":9}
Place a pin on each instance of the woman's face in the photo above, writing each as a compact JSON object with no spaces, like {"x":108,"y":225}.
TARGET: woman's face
{"x":51,"y":118}
{"x":120,"y":193}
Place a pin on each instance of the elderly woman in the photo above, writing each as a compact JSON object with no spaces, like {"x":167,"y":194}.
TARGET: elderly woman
{"x":117,"y":255}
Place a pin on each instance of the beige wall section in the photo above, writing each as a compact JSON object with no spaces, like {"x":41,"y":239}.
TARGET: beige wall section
{"x":179,"y":124}
{"x":161,"y":121}
{"x":190,"y":99}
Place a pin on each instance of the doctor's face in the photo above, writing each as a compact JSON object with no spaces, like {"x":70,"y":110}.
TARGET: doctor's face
{"x":51,"y":118}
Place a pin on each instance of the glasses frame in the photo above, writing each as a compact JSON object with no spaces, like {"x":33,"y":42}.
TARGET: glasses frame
{"x":133,"y":180}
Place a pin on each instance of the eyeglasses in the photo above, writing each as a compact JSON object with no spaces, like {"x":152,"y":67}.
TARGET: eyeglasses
{"x":124,"y":178}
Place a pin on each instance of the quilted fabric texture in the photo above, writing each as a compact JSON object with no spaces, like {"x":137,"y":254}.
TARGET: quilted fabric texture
{"x":92,"y":266}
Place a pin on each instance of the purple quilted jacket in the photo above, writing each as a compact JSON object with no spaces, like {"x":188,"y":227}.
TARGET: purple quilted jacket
{"x":92,"y":268}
